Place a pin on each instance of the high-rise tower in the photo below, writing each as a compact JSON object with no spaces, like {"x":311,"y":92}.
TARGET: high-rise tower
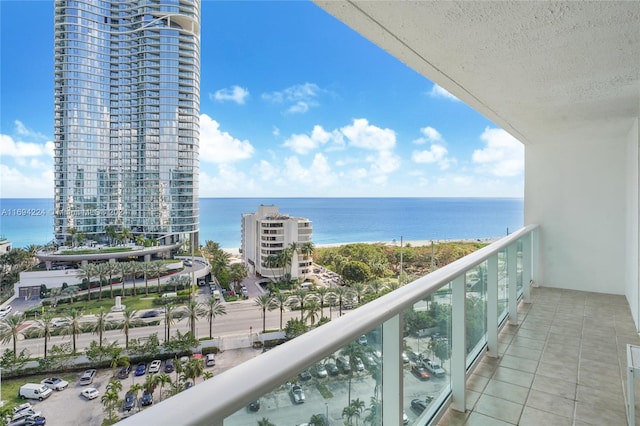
{"x":127,"y":103}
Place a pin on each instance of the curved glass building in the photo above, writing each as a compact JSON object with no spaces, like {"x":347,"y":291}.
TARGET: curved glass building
{"x":127,"y":102}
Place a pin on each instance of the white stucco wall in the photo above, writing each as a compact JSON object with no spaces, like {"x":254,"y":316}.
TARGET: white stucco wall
{"x":577,"y":192}
{"x":633,"y":217}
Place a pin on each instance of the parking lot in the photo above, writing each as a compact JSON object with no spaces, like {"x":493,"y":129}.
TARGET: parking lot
{"x":68,"y":407}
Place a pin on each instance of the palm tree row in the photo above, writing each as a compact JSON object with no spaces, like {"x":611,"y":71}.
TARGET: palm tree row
{"x":311,"y":303}
{"x":123,"y":269}
{"x":285,"y":258}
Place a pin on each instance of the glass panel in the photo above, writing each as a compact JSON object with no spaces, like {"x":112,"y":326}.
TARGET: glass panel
{"x":503,"y":289}
{"x":476,"y":308}
{"x":519,"y":266}
{"x":427,"y":353}
{"x":344,"y":388}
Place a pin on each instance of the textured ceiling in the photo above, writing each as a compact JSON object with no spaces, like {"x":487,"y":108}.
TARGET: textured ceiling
{"x":544,"y":71}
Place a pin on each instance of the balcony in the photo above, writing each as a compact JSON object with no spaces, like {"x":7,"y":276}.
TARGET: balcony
{"x":558,"y":359}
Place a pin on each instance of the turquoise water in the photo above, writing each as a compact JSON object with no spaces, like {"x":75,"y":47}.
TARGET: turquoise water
{"x":335,"y":220}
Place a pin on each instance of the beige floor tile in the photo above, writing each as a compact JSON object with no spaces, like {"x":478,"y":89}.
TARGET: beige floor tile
{"x":561,"y":388}
{"x":518,"y":363}
{"x":477,"y":419}
{"x":516,"y":377}
{"x":499,"y":408}
{"x":508,"y":391}
{"x":534,"y":417}
{"x":552,"y":403}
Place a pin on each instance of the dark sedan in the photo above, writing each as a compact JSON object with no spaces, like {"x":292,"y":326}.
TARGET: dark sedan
{"x":147,"y":398}
{"x":332,"y":369}
{"x":254,"y":405}
{"x":420,"y":404}
{"x":129,"y":402}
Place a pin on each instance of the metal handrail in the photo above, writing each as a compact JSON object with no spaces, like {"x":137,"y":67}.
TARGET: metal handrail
{"x":215,"y":399}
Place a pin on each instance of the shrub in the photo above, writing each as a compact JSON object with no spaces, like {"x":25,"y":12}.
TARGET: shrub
{"x":210,"y":350}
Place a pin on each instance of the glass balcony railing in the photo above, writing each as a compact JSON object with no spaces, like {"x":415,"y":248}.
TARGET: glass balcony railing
{"x":400,"y":359}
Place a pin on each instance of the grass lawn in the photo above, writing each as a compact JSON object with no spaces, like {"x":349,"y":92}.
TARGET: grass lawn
{"x":91,"y":307}
{"x":94,"y":251}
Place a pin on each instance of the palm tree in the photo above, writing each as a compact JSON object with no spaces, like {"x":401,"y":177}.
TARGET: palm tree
{"x":212,"y":309}
{"x":218,"y":258}
{"x":124,"y":269}
{"x":207,"y":375}
{"x":237,"y":272}
{"x":44,"y":327}
{"x":157,"y":269}
{"x":317,"y":420}
{"x":147,"y":269}
{"x":134,"y":269}
{"x":126,"y":235}
{"x":87,"y":272}
{"x":129,"y":320}
{"x":307,"y":249}
{"x":272,"y":262}
{"x":358,"y":289}
{"x":193,"y":369}
{"x":74,"y":327}
{"x":355,"y":408}
{"x":376,"y":286}
{"x":341,"y":295}
{"x":194,"y":311}
{"x":140,"y":239}
{"x":134,"y":389}
{"x":322,"y":293}
{"x":279,"y":301}
{"x":150,"y":383}
{"x":110,"y":399}
{"x":264,"y":302}
{"x":163,"y":379}
{"x":10,"y":330}
{"x":298,"y":298}
{"x":313,"y":307}
{"x":100,"y":325}
{"x":112,"y":268}
{"x":169,"y":319}
{"x":101,"y":271}
{"x":118,"y":359}
{"x":265,"y":422}
{"x":111,"y":233}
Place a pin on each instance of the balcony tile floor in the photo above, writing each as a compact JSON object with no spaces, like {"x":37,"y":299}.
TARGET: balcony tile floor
{"x":563,"y":364}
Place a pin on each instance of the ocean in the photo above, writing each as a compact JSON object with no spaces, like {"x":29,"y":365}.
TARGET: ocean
{"x":28,"y":221}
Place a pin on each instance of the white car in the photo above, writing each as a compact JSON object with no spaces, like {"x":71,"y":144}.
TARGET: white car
{"x":4,"y":311}
{"x":29,"y":412}
{"x":60,"y":322}
{"x":433,"y":368}
{"x":154,"y":367}
{"x":55,"y":383}
{"x":90,"y":393}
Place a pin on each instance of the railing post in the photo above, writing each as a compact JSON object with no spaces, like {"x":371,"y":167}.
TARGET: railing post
{"x":458,"y":343}
{"x":535,"y":246}
{"x":526,"y":268}
{"x":492,"y":306}
{"x":392,"y":388}
{"x":512,"y":279}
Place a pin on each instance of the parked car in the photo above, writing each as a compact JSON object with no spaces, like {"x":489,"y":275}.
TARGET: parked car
{"x":434,"y":368}
{"x":90,"y":393}
{"x":320,"y":371}
{"x":88,"y":376}
{"x":245,"y":291}
{"x":124,"y":372}
{"x":254,"y":405}
{"x":332,"y":369}
{"x":362,"y":340}
{"x":188,"y":385}
{"x":21,"y":407}
{"x":35,"y":421}
{"x":420,"y":372}
{"x":29,"y":412}
{"x":154,"y":367}
{"x":34,"y":391}
{"x":210,"y":360}
{"x":343,"y":364}
{"x":141,"y":369}
{"x":359,"y":365}
{"x":405,"y":357}
{"x":4,"y":311}
{"x":297,"y":394}
{"x":147,"y":398}
{"x":305,"y":375}
{"x":55,"y":383}
{"x":60,"y":322}
{"x":419,"y":405}
{"x":168,"y":366}
{"x":129,"y":401}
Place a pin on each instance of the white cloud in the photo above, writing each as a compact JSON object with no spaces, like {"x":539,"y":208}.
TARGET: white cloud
{"x":11,"y":148}
{"x":440,"y":92}
{"x":430,"y":135}
{"x":300,"y":97}
{"x":435,"y":154}
{"x":503,"y":155}
{"x":318,"y":174}
{"x":235,"y":94}
{"x":22,"y":130}
{"x":361,"y":134}
{"x":303,"y":144}
{"x":16,"y":184}
{"x":220,"y":147}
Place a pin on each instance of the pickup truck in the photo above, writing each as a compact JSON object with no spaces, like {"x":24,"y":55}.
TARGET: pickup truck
{"x":433,"y":368}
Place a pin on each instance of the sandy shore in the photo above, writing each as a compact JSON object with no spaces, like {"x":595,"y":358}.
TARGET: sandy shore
{"x":413,"y":243}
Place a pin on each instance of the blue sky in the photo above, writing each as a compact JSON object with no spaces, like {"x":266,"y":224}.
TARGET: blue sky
{"x":293,"y":104}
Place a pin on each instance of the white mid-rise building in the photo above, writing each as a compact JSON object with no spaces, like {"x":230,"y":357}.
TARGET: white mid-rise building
{"x":276,"y":244}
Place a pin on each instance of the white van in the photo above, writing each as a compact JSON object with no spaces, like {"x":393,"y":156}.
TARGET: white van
{"x":210,"y":360}
{"x":87,"y":377}
{"x":169,"y":295}
{"x":34,"y":391}
{"x":216,"y":294}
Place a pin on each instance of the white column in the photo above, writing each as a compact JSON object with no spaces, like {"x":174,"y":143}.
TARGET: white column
{"x":512,"y":275}
{"x":392,"y":388}
{"x":458,"y":344}
{"x":492,"y":306}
